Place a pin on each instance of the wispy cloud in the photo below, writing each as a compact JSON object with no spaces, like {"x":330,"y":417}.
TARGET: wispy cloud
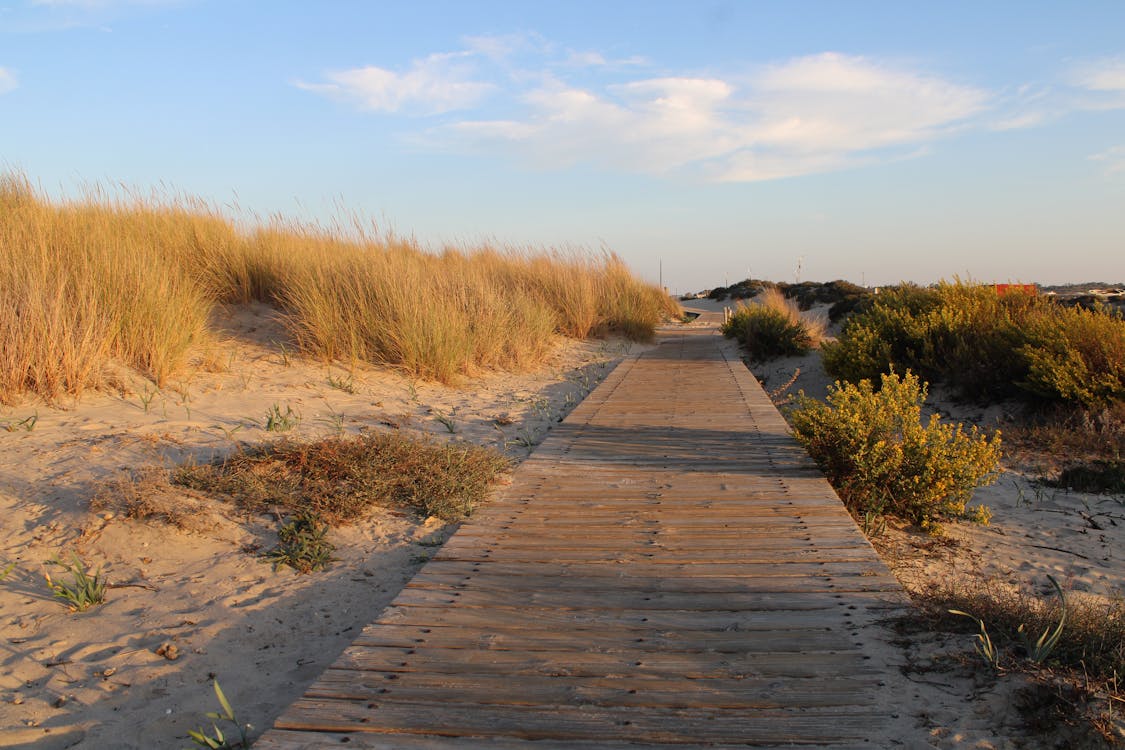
{"x":1102,"y":83}
{"x":433,"y":85}
{"x":99,"y":4}
{"x":8,"y":81}
{"x":1107,"y":74}
{"x":808,"y":114}
{"x":46,"y":16}
{"x":1113,"y":158}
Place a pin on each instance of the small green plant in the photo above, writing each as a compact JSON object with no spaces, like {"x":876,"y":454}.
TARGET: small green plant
{"x":218,"y":740}
{"x":7,"y":571}
{"x":147,"y":396}
{"x":1045,"y":645}
{"x":874,"y":524}
{"x":27,"y":424}
{"x":524,"y":438}
{"x":302,"y":544}
{"x":229,"y":433}
{"x":283,"y":354}
{"x":82,"y":591}
{"x":879,"y":456}
{"x":336,"y":421}
{"x":447,"y":420}
{"x":279,"y":421}
{"x":983,"y":644}
{"x":341,"y":383}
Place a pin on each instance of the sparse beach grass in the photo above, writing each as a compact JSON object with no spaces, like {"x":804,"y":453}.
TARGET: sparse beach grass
{"x":136,"y":280}
{"x":339,"y":480}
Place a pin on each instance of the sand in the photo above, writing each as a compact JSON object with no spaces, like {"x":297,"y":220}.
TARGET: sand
{"x":188,"y":605}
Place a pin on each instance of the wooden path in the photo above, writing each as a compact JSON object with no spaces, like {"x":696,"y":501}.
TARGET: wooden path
{"x":669,"y":569}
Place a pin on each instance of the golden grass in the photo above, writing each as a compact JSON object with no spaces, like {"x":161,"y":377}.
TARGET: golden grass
{"x":135,"y":279}
{"x":814,"y":324}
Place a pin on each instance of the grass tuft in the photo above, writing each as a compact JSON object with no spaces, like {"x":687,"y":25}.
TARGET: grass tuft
{"x":773,"y":326}
{"x":82,"y":590}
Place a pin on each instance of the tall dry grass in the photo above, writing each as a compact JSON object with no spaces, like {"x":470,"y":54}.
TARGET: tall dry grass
{"x":135,"y":279}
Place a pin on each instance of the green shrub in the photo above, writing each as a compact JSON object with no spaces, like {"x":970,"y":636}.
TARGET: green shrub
{"x":892,"y":332}
{"x":1076,"y":355}
{"x":881,"y":458}
{"x":773,"y":327}
{"x":1096,"y":476}
{"x":986,"y":345}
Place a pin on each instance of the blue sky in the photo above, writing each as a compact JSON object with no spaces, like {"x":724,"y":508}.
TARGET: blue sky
{"x":873,"y":141}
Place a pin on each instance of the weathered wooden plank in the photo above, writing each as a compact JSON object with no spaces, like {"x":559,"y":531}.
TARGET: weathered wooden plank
{"x":581,"y":722}
{"x":844,"y":553}
{"x":831,"y":615}
{"x":723,"y":589}
{"x":574,"y":662}
{"x":790,"y":601}
{"x":598,"y":568}
{"x":638,"y":692}
{"x":520,"y":638}
{"x":314,"y":740}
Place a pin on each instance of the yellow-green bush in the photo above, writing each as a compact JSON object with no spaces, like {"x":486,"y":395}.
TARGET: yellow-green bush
{"x":986,"y":345}
{"x":882,"y":459}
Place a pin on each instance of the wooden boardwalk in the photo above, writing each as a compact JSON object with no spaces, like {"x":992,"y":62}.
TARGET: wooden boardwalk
{"x":668,"y":569}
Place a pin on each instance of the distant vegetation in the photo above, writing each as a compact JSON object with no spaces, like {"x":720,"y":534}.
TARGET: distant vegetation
{"x":773,"y":326}
{"x":843,"y":296}
{"x":136,"y":281}
{"x":987,"y":345}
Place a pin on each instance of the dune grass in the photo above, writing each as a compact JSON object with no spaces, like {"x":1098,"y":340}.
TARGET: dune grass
{"x":135,"y":279}
{"x":774,"y":326}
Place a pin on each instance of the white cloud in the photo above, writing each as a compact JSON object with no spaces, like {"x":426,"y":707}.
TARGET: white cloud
{"x":809,"y":114}
{"x":435,"y":84}
{"x":1100,"y":84}
{"x":8,"y":81}
{"x":1103,"y":75}
{"x":1114,"y":159}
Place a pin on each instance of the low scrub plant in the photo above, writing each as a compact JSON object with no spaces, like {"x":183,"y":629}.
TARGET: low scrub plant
{"x":1095,"y":476}
{"x":773,"y":326}
{"x":1086,"y":634}
{"x":341,"y":479}
{"x":882,"y":459}
{"x":302,"y":544}
{"x":82,"y":590}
